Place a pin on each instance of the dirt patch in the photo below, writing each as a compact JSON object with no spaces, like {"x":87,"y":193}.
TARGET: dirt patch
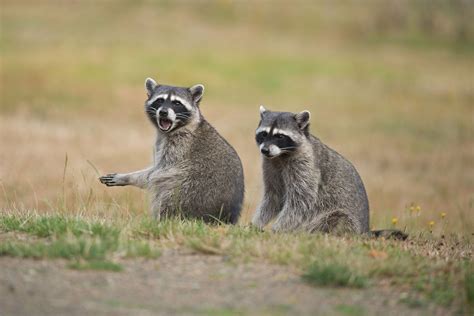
{"x":179,"y":283}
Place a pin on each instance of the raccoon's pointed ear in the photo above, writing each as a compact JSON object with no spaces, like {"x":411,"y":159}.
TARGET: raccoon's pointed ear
{"x":150,"y":86}
{"x":262,"y":111}
{"x":302,"y":119}
{"x":197,"y":92}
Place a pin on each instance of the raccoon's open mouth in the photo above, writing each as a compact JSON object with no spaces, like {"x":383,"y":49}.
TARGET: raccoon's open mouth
{"x":165,"y":124}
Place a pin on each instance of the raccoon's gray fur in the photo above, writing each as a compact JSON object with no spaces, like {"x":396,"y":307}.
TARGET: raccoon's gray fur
{"x":196,"y":173}
{"x":307,"y":185}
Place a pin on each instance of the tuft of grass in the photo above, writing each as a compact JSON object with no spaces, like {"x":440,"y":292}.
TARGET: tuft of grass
{"x":220,"y":312}
{"x":336,"y":275}
{"x":208,"y":247}
{"x":273,"y":310}
{"x":469,"y":286}
{"x":90,"y":244}
{"x":87,"y":249}
{"x":350,"y":310}
{"x":96,"y":265}
{"x":412,"y":302}
{"x":56,"y":225}
{"x":143,"y":249}
{"x":167,"y":228}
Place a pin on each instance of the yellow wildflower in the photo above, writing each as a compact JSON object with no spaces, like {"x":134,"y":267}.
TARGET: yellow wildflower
{"x":394,"y":221}
{"x":431,"y":224}
{"x":418,"y":209}
{"x":443,"y":215}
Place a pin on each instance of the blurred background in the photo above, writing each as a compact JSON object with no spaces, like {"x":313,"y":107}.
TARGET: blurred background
{"x":389,"y":85}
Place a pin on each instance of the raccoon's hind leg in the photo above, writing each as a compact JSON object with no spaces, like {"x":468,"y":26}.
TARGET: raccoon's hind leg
{"x":137,"y":178}
{"x":334,"y":222}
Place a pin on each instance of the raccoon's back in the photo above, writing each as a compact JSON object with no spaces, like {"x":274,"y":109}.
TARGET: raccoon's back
{"x":215,"y":183}
{"x":342,"y":186}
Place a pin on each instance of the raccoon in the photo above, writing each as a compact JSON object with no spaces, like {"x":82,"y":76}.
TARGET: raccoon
{"x":307,"y":185}
{"x":197,"y":173}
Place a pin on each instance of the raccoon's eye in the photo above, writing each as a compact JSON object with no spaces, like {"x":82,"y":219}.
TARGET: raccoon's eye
{"x":177,"y":102}
{"x":279,"y":136}
{"x":160,"y":100}
{"x":264,"y":134}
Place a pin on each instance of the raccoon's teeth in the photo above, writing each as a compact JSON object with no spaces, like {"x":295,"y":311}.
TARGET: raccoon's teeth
{"x":165,"y":124}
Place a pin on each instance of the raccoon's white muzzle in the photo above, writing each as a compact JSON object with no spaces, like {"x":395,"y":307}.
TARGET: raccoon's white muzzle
{"x":166,"y":118}
{"x":270,"y":151}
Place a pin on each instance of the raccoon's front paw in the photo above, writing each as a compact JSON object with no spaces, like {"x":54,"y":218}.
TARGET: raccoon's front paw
{"x":277,"y":227}
{"x":111,"y":179}
{"x":257,"y":224}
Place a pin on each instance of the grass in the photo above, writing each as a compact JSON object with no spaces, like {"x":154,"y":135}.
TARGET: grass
{"x":89,"y":245}
{"x":351,"y":310}
{"x":427,"y":269}
{"x":333,"y":275}
{"x":56,"y":225}
{"x":469,"y":277}
{"x":96,"y":265}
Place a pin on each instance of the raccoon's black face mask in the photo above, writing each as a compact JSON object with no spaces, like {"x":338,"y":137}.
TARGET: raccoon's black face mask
{"x":170,"y":108}
{"x":280,"y":133}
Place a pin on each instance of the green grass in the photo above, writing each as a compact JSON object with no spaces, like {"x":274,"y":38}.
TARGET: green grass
{"x":469,"y":281}
{"x":96,"y":265}
{"x":58,"y":226}
{"x":350,"y":310}
{"x":90,"y":244}
{"x":333,"y":275}
{"x":429,"y":269}
{"x":273,"y":310}
{"x":87,"y":249}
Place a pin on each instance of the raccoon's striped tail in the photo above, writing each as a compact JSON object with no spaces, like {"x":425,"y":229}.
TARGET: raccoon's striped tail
{"x":389,"y":234}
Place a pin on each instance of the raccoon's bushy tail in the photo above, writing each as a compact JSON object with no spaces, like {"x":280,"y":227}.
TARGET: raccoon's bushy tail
{"x":389,"y":234}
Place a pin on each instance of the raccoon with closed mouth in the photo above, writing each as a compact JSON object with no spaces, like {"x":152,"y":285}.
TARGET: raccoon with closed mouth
{"x":197,"y":173}
{"x":307,"y":185}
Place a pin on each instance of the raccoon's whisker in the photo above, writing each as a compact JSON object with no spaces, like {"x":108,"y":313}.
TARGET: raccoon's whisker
{"x":183,"y":116}
{"x":283,"y":148}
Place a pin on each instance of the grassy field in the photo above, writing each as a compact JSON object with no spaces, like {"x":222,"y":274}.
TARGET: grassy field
{"x":389,"y":85}
{"x":426,"y":273}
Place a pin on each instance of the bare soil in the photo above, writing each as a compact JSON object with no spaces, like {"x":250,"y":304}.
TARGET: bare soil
{"x":184,"y":284}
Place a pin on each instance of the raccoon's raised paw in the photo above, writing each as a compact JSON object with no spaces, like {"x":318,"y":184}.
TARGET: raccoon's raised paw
{"x":110,"y":180}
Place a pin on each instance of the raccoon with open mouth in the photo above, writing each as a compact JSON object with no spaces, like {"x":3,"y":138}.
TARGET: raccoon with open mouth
{"x":197,"y":173}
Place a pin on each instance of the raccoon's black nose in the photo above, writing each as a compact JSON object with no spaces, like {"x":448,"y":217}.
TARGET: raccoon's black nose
{"x":265,"y":151}
{"x":163,"y":113}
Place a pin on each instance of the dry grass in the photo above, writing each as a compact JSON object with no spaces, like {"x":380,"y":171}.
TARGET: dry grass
{"x":391,"y":93}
